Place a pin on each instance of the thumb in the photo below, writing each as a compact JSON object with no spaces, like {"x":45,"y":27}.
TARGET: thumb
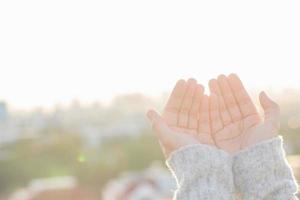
{"x":158,"y":125}
{"x":271,"y":109}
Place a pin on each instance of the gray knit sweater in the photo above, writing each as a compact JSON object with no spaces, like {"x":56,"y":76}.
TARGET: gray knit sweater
{"x":259,"y":172}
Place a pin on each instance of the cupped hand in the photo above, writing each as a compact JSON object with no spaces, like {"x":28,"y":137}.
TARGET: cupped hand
{"x":235,"y":121}
{"x":185,"y":119}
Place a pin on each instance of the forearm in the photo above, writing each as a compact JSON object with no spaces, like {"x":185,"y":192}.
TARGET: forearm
{"x":262,"y":172}
{"x":202,"y":172}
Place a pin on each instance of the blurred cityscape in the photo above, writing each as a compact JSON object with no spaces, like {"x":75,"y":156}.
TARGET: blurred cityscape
{"x":96,"y":151}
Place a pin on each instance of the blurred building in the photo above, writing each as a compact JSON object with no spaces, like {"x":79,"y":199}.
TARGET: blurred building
{"x":154,"y":183}
{"x":58,"y":188}
{"x":3,"y":111}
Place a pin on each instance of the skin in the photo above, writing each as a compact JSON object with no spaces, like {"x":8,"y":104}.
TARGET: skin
{"x":227,"y":119}
{"x":185,"y":119}
{"x":236,"y":122}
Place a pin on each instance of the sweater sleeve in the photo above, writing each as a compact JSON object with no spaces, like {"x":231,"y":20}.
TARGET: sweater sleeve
{"x":202,"y":172}
{"x":262,"y":172}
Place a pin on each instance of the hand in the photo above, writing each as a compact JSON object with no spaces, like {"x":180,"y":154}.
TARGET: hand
{"x":185,"y":119}
{"x":235,"y":121}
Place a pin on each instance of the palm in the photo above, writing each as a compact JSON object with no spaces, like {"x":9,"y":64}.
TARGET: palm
{"x":236,"y":122}
{"x":231,"y":137}
{"x":185,"y":119}
{"x":227,"y":119}
{"x":186,"y":112}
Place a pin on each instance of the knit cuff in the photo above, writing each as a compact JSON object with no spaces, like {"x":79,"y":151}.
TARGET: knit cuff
{"x":262,"y":169}
{"x":198,"y":162}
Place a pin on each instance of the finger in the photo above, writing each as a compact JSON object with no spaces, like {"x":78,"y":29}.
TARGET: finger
{"x":187,"y":102}
{"x":158,"y":125}
{"x":242,"y":97}
{"x":225,"y":115}
{"x":173,"y":105}
{"x":194,"y":112}
{"x":271,"y":109}
{"x":215,"y":117}
{"x":204,"y":122}
{"x":229,"y":99}
{"x":162,"y":131}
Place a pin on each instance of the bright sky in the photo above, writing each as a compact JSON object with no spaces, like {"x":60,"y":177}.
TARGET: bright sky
{"x":58,"y":50}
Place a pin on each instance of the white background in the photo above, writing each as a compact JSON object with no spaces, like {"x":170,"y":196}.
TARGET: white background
{"x":58,"y":50}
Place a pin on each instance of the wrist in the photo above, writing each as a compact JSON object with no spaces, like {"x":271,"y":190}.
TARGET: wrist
{"x":198,"y":159}
{"x":258,"y":134}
